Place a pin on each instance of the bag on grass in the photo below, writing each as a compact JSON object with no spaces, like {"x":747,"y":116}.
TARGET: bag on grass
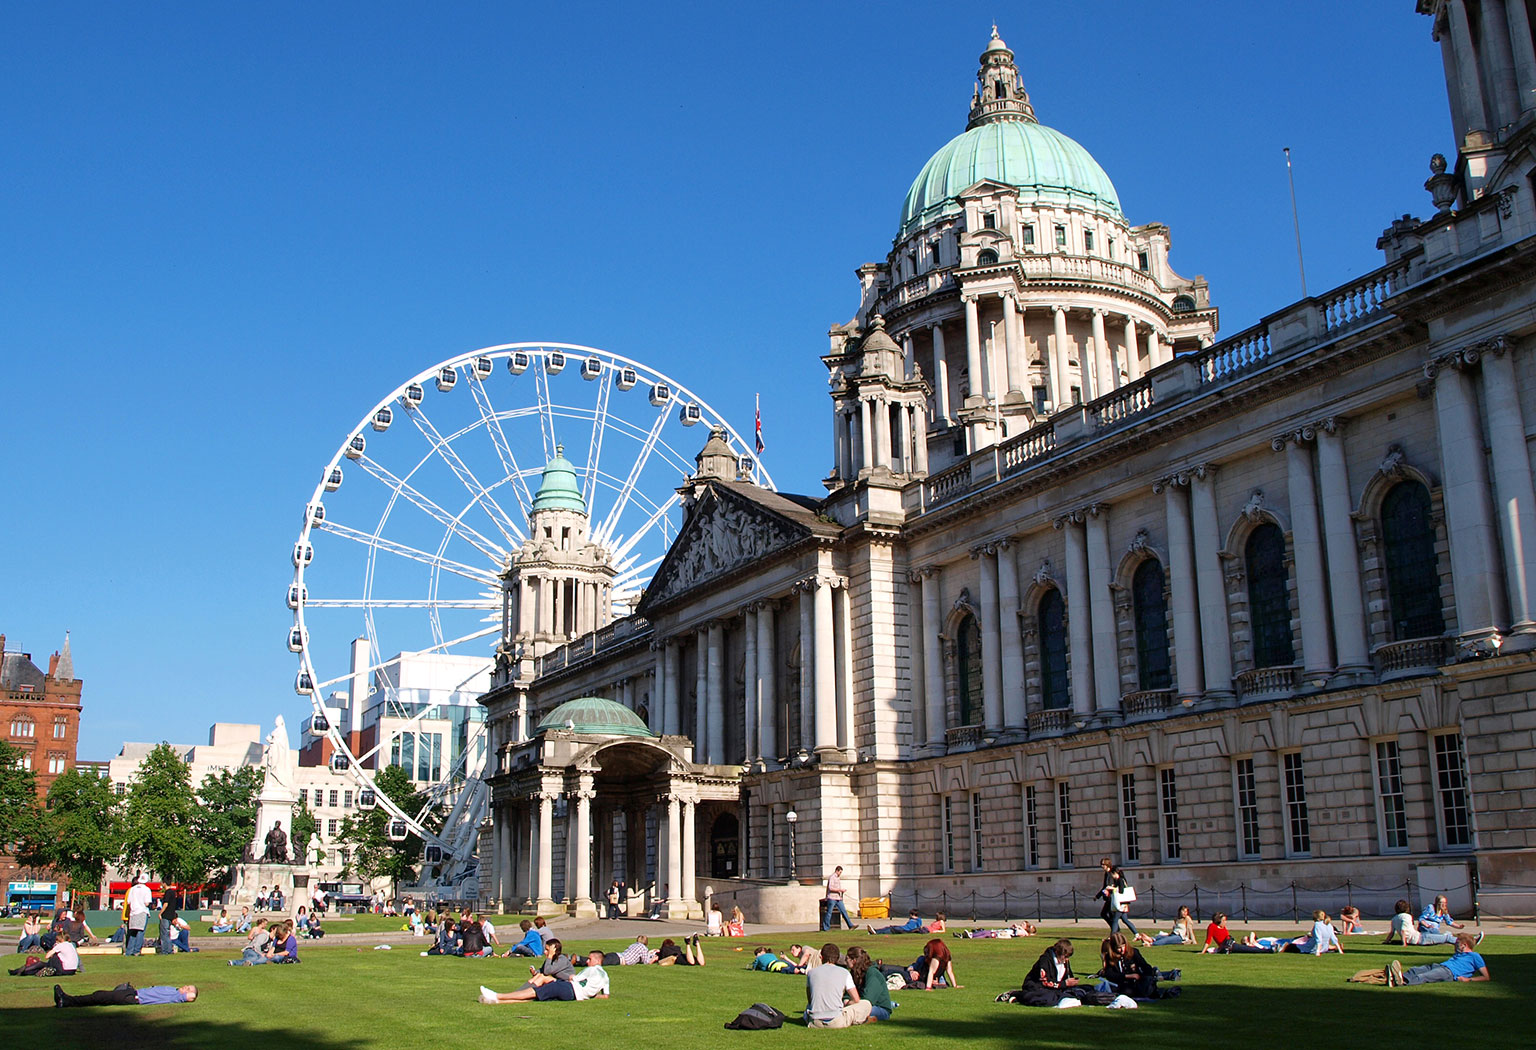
{"x":756,"y":1017}
{"x":896,"y":982}
{"x":1373,"y":976}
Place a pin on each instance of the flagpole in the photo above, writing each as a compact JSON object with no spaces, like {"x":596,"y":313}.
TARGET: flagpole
{"x":1296,"y":221}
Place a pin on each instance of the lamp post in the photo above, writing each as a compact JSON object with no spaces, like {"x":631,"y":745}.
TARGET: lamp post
{"x":791,"y":817}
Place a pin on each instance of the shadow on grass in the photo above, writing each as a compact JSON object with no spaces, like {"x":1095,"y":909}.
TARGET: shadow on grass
{"x":185,"y":1027}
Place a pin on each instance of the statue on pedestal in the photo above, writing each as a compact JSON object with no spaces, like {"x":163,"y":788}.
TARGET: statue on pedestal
{"x":277,"y":845}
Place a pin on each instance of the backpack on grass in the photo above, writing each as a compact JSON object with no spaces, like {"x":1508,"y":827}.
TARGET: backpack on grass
{"x":757,"y":1017}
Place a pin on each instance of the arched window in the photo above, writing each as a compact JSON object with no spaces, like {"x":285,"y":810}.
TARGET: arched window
{"x":1413,"y":571}
{"x":1053,"y":651}
{"x":1183,"y":304}
{"x":986,"y":257}
{"x":23,"y":726}
{"x":1151,"y":607}
{"x":970,"y":672}
{"x":1269,"y":606}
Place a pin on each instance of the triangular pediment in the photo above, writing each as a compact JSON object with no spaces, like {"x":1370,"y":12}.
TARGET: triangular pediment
{"x":985,"y":188}
{"x":724,"y":531}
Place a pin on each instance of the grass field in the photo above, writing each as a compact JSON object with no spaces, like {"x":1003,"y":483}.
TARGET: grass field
{"x":344,"y":997}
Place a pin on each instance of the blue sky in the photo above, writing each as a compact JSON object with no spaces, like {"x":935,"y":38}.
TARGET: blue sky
{"x":229,"y":229}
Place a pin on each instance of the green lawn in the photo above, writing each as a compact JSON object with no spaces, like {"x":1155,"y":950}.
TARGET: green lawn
{"x":345,"y":997}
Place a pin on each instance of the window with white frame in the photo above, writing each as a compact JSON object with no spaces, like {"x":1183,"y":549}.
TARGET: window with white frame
{"x":23,"y":727}
{"x":25,"y":761}
{"x":55,"y":762}
{"x":60,"y":727}
{"x":303,"y":796}
{"x":1247,"y":791}
{"x":1130,"y":841}
{"x":1064,"y":823}
{"x":346,"y":800}
{"x":1453,"y":806}
{"x":1088,"y":241}
{"x":947,"y":820}
{"x":330,"y":827}
{"x":975,"y":831}
{"x":1298,"y":826}
{"x":1031,"y":828}
{"x":333,"y":798}
{"x":1029,"y":234}
{"x":1390,"y":805}
{"x":1168,"y":804}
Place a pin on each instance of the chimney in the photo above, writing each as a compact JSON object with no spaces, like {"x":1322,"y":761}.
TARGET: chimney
{"x":53,"y":664}
{"x":2,"y":644}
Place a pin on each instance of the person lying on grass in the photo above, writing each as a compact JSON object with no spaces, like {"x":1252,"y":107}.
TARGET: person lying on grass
{"x":127,"y":995}
{"x":1015,"y":929}
{"x":590,"y":983}
{"x":690,"y":954}
{"x":764,"y":959}
{"x":914,"y":924}
{"x":1466,"y":965}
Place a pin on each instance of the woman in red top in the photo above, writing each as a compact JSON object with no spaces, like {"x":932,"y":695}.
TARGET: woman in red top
{"x":1219,"y":939}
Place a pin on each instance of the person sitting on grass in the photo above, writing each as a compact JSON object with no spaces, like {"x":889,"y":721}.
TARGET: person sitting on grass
{"x":1436,"y":917}
{"x":1405,"y":929}
{"x":1322,"y":938}
{"x":61,"y":961}
{"x":222,"y":924}
{"x":714,"y":925}
{"x":31,"y":933}
{"x":181,"y":935}
{"x":556,"y":967}
{"x":832,"y":999}
{"x":736,"y":926}
{"x":1350,"y":922}
{"x":1466,"y":965}
{"x":1219,"y":939}
{"x":871,"y":984}
{"x":472,"y":937}
{"x":1051,"y":979}
{"x":690,"y":954}
{"x":532,"y":944}
{"x":639,"y":953}
{"x":243,"y":924}
{"x":804,"y":957}
{"x":1015,"y":929}
{"x":127,"y":995}
{"x":1182,"y":931}
{"x":447,"y":940}
{"x":1127,"y":972}
{"x":934,"y":968}
{"x":316,"y":928}
{"x":764,"y":959}
{"x":914,"y":924}
{"x":285,"y":946}
{"x":256,"y":945}
{"x":590,"y":983}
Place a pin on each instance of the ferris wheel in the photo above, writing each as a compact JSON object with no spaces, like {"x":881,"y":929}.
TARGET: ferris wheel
{"x":396,"y":590}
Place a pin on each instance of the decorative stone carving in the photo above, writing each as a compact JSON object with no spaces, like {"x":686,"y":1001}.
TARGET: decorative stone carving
{"x":1045,"y":575}
{"x":1253,"y":510}
{"x":1392,"y":463}
{"x":1139,"y":542}
{"x":720,"y":535}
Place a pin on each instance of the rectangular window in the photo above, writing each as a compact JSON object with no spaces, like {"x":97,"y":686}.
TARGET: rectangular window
{"x":119,"y":788}
{"x":1130,"y":844}
{"x":55,"y":763}
{"x":26,"y":760}
{"x":1040,"y":399}
{"x":1389,"y":796}
{"x":1168,"y":793}
{"x":1029,"y":234}
{"x":1110,"y":245}
{"x":947,"y":818}
{"x":1247,"y":810}
{"x":1088,"y":240}
{"x":975,"y":831}
{"x":1031,"y":828}
{"x":60,"y":728}
{"x":346,"y":800}
{"x":1451,"y":792}
{"x":1064,"y":823}
{"x":334,"y":793}
{"x":1142,"y":262}
{"x":303,"y":796}
{"x":330,"y":827}
{"x":989,"y":221}
{"x":1061,"y":236}
{"x":934,"y":253}
{"x":1296,"y":822}
{"x":1077,"y":395}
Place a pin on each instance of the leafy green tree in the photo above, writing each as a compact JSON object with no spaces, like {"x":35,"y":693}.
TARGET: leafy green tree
{"x":302,"y":828}
{"x":79,"y":833}
{"x":160,"y":820}
{"x":373,"y":854}
{"x":226,"y":821}
{"x":19,"y":815}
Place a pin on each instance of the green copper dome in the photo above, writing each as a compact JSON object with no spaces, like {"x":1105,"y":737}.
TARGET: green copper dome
{"x":593,"y":714}
{"x":558,"y":490}
{"x":1018,"y":153}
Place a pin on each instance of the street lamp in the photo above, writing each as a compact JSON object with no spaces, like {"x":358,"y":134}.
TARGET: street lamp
{"x":791,"y":817}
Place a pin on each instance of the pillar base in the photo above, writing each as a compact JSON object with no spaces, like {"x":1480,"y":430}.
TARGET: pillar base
{"x":545,"y":906}
{"x":678,"y":909}
{"x":1357,"y":674}
{"x":583,"y":908}
{"x":1521,"y":638}
{"x":836,"y":756}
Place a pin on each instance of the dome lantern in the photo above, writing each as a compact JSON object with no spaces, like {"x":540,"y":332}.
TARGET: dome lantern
{"x":558,"y":489}
{"x":999,"y":93}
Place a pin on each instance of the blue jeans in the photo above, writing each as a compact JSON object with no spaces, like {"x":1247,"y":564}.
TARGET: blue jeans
{"x":879,"y":1013}
{"x":29,"y":940}
{"x":166,"y":945}
{"x":135,"y":942}
{"x":1437,"y":938}
{"x":835,"y":908}
{"x":1118,"y":918}
{"x":181,"y":940}
{"x":1428,"y":974}
{"x":1167,"y":938}
{"x":249,"y":957}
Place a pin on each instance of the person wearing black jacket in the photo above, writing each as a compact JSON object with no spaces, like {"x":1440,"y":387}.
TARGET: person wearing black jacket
{"x":1050,"y":980}
{"x":1128,"y":971}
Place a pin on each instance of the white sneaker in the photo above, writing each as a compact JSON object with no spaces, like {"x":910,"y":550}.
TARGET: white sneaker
{"x":487,"y":996}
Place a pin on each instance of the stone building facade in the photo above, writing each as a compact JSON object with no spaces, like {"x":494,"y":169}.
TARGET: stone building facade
{"x":1257,"y":612}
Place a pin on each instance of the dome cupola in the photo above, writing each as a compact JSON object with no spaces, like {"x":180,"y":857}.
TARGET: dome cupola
{"x":558,"y":490}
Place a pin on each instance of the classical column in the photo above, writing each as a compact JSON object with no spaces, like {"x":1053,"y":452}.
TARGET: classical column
{"x":933,"y":661}
{"x":654,"y":714}
{"x":826,"y":682}
{"x":807,"y":600}
{"x":543,"y":900}
{"x":907,"y":360}
{"x":1132,"y":351}
{"x":918,"y":673}
{"x":1109,"y":374}
{"x":690,"y":857}
{"x":940,"y":376}
{"x":1525,"y":54}
{"x":1471,"y":72}
{"x":882,"y":414}
{"x":749,"y":675}
{"x":1061,"y":391}
{"x":842,"y":625}
{"x":768,"y":708}
{"x":840,"y":455}
{"x":1215,"y":620}
{"x":715,"y":753}
{"x":1516,"y":502}
{"x":1013,"y":643}
{"x":1106,"y":671}
{"x":1079,"y":616}
{"x":700,"y":693}
{"x":497,"y":868}
{"x":867,"y":451}
{"x":530,"y":859}
{"x":973,"y":352}
{"x":1343,"y":553}
{"x":674,"y":711}
{"x":1154,"y":348}
{"x":674,"y":855}
{"x":1306,"y":542}
{"x":1495,"y":49}
{"x":581,"y":896}
{"x":1188,"y":671}
{"x":1013,"y":346}
{"x":920,"y":439}
{"x":991,"y":638}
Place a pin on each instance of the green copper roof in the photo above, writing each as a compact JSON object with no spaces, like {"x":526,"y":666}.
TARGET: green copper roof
{"x":593,"y":714}
{"x":1014,"y":152}
{"x":558,"y":490}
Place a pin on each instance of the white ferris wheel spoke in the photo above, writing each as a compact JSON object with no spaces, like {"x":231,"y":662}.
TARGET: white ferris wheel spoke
{"x":595,"y":446}
{"x":546,"y":413}
{"x":622,"y":551}
{"x":401,"y":603}
{"x":605,"y":529}
{"x":629,"y":575}
{"x":503,"y":446}
{"x":486,"y":546}
{"x":377,"y":542}
{"x":445,"y":451}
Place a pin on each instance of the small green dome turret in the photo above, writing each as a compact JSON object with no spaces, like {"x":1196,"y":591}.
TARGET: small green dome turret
{"x":594,"y":715}
{"x":559,"y":490}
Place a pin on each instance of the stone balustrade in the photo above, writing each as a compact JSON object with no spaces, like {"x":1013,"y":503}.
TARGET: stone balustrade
{"x":963,"y":738}
{"x":1043,"y":723}
{"x":588,"y":646}
{"x":1120,"y":404}
{"x":1019,"y":452}
{"x":1267,"y":682}
{"x":1411,"y":656}
{"x":1363,"y":299}
{"x":1146,"y":702}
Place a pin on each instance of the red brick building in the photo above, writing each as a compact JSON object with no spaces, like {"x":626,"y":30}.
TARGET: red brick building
{"x":40,"y":717}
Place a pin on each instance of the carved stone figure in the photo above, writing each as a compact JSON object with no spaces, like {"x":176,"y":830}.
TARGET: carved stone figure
{"x":277,"y":845}
{"x":278,"y":760}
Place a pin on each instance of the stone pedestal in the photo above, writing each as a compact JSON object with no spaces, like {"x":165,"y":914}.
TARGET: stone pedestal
{"x":250,"y":876}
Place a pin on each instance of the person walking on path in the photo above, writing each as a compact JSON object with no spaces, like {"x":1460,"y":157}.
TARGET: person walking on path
{"x":139,"y":902}
{"x":835,"y":908}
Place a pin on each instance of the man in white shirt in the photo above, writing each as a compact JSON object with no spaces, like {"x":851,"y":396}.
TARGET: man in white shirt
{"x":832,"y":999}
{"x":836,"y":911}
{"x":140,"y":900}
{"x":590,"y":983}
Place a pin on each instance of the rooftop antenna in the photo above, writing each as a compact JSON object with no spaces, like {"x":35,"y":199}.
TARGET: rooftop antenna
{"x":1296,"y":221}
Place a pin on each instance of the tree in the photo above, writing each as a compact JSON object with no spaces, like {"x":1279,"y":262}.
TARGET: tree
{"x":374,"y":855}
{"x":301,"y":829}
{"x":79,"y":833}
{"x":226,"y":821}
{"x":160,"y":820}
{"x":19,"y":814}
